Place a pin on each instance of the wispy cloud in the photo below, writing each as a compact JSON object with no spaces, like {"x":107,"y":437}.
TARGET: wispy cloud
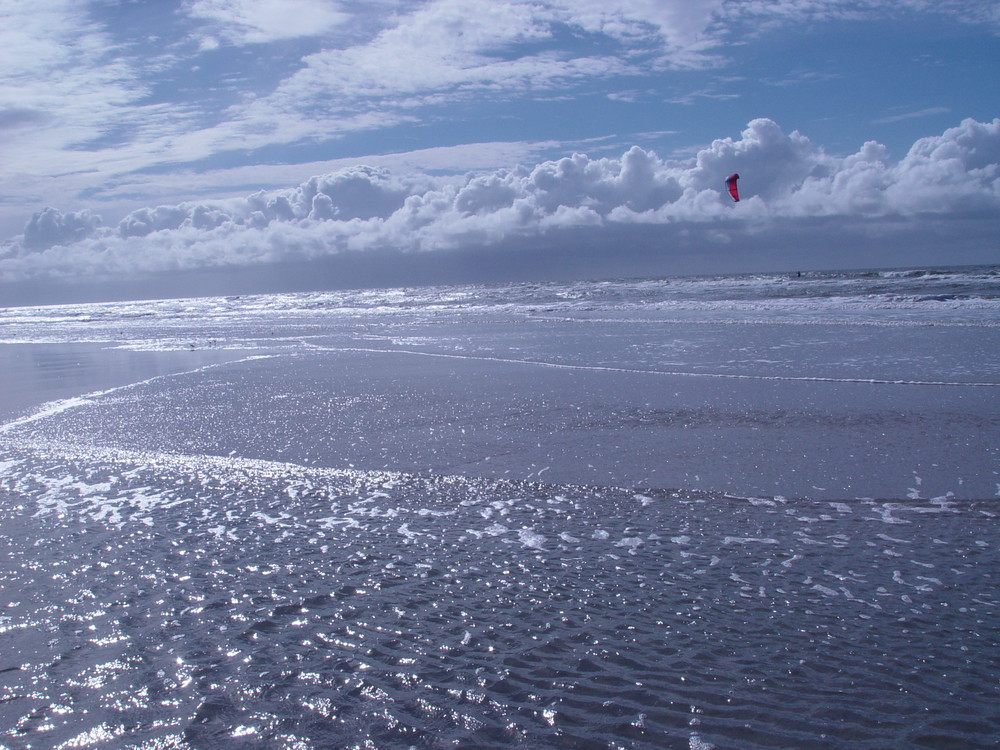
{"x":262,"y":21}
{"x":966,"y":11}
{"x":928,"y":112}
{"x":799,"y":77}
{"x":87,"y":100}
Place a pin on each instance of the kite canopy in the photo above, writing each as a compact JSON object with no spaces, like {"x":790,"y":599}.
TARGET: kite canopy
{"x":731,"y":184}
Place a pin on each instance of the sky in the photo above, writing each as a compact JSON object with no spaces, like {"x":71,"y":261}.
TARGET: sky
{"x":182,"y":147}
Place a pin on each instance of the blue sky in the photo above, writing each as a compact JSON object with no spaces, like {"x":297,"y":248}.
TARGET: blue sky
{"x":147,"y":137}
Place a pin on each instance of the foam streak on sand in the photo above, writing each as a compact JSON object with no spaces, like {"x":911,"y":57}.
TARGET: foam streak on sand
{"x":55,"y":408}
{"x":670,"y":373}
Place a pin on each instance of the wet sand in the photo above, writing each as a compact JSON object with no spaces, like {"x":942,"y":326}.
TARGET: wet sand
{"x":435,"y":413}
{"x":34,"y":374}
{"x":160,"y":600}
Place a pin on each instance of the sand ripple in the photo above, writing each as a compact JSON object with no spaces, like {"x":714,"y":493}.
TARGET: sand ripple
{"x":163,"y":601}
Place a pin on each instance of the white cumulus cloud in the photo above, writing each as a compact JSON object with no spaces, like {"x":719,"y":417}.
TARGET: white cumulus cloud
{"x":784,"y":178}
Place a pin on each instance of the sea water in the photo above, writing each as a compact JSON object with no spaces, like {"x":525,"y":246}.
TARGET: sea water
{"x":732,"y":512}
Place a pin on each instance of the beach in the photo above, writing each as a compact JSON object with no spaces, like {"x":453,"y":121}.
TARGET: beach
{"x":751,"y":512}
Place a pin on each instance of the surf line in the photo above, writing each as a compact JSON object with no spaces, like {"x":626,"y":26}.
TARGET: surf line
{"x":51,"y":408}
{"x":635,"y":371}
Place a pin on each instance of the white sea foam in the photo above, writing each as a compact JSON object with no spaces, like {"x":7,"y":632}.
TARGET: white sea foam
{"x":630,"y":543}
{"x":530,"y":538}
{"x":748,"y":540}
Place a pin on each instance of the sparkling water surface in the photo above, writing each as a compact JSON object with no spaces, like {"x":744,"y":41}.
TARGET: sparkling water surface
{"x":744,"y":512}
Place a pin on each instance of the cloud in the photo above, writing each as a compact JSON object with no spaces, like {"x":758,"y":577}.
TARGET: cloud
{"x":261,"y":21}
{"x":928,"y":112}
{"x":440,"y":51}
{"x":107,"y":90}
{"x":682,"y":27}
{"x":50,"y":227}
{"x":100,"y":100}
{"x":20,"y":117}
{"x":783,"y":11}
{"x":786,"y":180}
{"x":449,"y":50}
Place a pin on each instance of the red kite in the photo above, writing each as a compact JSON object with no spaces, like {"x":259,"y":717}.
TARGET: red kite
{"x":731,"y":184}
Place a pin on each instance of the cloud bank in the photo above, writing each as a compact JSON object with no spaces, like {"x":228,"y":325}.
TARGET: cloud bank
{"x":785,"y":180}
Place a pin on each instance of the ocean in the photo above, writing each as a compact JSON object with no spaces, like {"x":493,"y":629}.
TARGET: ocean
{"x":748,"y":511}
